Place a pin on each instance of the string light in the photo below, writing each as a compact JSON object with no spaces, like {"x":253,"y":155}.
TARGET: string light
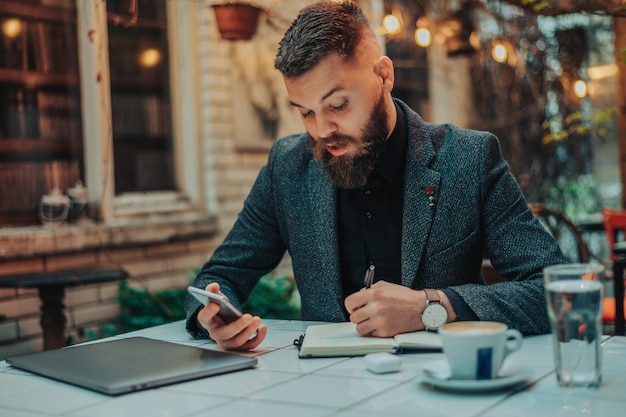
{"x":391,"y":24}
{"x":580,"y":89}
{"x":499,"y":52}
{"x":423,"y":37}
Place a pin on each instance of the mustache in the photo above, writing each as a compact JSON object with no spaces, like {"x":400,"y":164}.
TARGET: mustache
{"x":338,"y":140}
{"x":318,"y":146}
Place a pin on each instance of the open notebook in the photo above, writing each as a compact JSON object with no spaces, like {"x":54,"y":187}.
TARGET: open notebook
{"x":119,"y":366}
{"x":342,"y":339}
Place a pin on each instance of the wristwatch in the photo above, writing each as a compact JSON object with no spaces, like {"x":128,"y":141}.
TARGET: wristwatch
{"x":435,"y":314}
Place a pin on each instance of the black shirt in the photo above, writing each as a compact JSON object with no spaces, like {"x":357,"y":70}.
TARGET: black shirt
{"x":370,"y":222}
{"x":370,"y":217}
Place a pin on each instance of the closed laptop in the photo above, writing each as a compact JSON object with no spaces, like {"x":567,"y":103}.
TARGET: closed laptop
{"x":119,"y":366}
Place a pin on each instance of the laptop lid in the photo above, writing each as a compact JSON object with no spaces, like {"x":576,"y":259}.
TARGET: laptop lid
{"x":124,"y":365}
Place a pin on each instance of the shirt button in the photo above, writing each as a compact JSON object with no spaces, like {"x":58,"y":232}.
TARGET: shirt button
{"x":368,"y":193}
{"x":368,"y":215}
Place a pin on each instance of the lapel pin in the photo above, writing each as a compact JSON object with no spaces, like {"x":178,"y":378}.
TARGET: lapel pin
{"x":430,"y":191}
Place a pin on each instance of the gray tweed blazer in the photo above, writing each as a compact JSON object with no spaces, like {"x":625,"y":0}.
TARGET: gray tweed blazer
{"x":478,"y":207}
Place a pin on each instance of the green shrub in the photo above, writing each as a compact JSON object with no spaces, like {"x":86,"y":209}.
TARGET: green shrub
{"x":140,"y":308}
{"x":274,"y":297}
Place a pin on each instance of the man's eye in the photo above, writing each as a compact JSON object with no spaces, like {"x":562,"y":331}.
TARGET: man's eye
{"x":340,"y":107}
{"x":307,"y":114}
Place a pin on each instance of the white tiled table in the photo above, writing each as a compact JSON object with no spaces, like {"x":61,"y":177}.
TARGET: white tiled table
{"x":283,"y":385}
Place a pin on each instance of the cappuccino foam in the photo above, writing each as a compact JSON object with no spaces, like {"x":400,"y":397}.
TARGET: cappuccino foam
{"x":474,"y":327}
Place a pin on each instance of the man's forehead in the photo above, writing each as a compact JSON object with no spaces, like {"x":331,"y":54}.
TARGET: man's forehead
{"x":328,"y":78}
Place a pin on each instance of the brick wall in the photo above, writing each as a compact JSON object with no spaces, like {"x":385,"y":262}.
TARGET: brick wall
{"x":229,"y":173}
{"x":155,"y":267}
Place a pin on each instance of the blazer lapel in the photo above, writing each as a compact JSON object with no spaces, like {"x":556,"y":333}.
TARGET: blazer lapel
{"x":322,"y":201}
{"x":421,"y":183}
{"x":417,"y":220}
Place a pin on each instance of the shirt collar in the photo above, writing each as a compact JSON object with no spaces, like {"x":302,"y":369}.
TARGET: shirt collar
{"x":391,"y":161}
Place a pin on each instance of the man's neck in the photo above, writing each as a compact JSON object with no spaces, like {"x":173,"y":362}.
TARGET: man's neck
{"x":392,"y":115}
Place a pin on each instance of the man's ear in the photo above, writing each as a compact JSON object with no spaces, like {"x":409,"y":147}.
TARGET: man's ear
{"x":384,"y":69}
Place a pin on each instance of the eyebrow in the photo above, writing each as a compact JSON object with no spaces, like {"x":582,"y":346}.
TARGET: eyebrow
{"x":324,"y":97}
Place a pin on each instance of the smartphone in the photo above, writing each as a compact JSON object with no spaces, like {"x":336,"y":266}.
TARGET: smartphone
{"x":228,"y":312}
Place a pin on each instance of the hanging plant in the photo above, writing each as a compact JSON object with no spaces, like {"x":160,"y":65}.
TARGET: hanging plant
{"x":236,"y":21}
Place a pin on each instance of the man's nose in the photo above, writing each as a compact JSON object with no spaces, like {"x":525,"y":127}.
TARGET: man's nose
{"x":325,"y":127}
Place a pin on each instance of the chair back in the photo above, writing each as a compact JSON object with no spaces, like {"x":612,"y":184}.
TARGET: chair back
{"x":564,"y":231}
{"x":615,"y":225}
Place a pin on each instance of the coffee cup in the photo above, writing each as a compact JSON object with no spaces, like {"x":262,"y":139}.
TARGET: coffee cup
{"x":477,"y":349}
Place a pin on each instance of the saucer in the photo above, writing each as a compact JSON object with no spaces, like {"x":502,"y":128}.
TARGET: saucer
{"x":438,"y":374}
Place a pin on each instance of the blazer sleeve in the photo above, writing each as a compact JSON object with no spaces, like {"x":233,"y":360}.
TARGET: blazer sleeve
{"x":518,"y":247}
{"x":251,"y":249}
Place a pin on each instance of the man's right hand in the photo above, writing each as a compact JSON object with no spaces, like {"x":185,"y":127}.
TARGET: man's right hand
{"x":245,"y":333}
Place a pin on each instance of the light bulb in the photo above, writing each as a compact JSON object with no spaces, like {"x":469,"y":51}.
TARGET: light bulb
{"x":423,"y":37}
{"x":12,"y":28}
{"x":499,"y":53}
{"x":391,"y":24}
{"x":580,"y":89}
{"x":150,"y":57}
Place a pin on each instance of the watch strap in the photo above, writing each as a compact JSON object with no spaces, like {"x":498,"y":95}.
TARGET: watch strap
{"x":432,"y":296}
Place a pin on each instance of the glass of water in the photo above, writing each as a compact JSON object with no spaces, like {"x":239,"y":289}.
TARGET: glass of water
{"x":574,"y":294}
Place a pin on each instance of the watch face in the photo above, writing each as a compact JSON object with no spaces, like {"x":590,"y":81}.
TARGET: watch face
{"x":434,"y":316}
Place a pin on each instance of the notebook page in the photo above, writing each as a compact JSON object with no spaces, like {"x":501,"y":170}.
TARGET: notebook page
{"x":342,"y":335}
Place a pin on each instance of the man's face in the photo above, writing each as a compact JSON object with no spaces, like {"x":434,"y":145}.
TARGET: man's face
{"x":343,"y":110}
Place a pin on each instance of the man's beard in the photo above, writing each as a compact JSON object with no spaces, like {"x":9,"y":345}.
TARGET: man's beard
{"x":352,"y":171}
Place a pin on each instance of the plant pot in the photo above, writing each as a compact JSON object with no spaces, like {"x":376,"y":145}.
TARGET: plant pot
{"x":236,"y":21}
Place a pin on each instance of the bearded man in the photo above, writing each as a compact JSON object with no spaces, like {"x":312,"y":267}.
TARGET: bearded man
{"x":370,"y":186}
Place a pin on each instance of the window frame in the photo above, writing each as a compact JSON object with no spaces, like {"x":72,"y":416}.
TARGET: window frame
{"x":95,"y":86}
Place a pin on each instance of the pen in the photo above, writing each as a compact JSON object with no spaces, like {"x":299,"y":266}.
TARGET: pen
{"x":369,"y":276}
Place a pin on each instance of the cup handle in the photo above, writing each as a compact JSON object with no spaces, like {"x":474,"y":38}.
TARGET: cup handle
{"x":513,"y":342}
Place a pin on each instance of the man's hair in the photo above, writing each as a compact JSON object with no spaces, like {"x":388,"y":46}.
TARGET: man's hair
{"x":320,"y":30}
